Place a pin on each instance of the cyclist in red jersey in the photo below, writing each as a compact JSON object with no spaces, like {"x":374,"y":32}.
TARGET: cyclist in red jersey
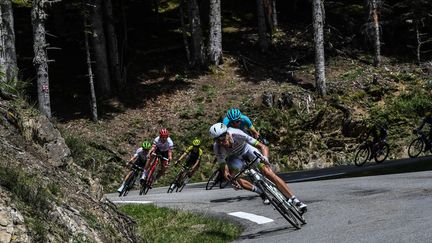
{"x":162,"y":145}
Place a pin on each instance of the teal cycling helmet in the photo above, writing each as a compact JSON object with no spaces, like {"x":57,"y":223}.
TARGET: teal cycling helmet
{"x":233,"y":114}
{"x":146,"y":145}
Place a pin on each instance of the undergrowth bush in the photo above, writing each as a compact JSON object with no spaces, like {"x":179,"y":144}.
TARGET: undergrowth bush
{"x":405,"y":107}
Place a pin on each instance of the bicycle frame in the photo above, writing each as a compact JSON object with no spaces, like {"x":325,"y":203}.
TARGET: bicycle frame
{"x":279,"y":201}
{"x":156,"y":159}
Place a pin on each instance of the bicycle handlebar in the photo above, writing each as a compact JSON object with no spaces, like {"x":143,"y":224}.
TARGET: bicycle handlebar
{"x":159,"y":156}
{"x":134,"y":166}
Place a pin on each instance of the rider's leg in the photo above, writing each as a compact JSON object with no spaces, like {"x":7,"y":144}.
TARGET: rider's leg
{"x":193,"y":169}
{"x":146,"y":168}
{"x":281,"y":185}
{"x":162,"y":170}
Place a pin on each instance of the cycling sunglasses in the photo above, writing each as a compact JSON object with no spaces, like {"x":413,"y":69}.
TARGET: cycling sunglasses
{"x":221,"y":138}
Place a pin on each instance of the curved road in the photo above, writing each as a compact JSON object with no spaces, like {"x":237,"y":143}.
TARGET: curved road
{"x":385,"y":208}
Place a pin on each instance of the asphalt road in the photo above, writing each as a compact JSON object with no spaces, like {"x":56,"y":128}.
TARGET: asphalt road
{"x":380,"y":208}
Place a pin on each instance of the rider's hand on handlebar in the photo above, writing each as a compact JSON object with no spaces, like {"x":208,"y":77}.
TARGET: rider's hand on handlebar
{"x":265,"y":160}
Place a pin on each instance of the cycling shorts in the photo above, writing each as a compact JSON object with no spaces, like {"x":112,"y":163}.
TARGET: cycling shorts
{"x":236,"y":163}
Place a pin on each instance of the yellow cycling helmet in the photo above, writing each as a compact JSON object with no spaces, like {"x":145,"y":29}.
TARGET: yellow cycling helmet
{"x":196,"y":142}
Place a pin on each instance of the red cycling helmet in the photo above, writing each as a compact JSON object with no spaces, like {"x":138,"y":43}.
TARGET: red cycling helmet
{"x":164,"y":133}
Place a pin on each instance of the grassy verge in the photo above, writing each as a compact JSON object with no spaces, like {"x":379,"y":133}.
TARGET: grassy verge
{"x":167,"y":225}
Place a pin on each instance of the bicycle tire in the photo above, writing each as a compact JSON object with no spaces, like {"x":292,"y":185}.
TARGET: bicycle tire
{"x":413,"y":151}
{"x":279,"y":205}
{"x":222,"y":182}
{"x":359,"y":161}
{"x":294,"y":210}
{"x":385,"y":154}
{"x":143,"y":186}
{"x":128,"y":184}
{"x":172,"y":187}
{"x":213,"y":179}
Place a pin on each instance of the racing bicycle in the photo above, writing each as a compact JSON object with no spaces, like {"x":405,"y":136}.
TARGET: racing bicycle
{"x":181,"y":180}
{"x":216,"y":177}
{"x":151,"y":176}
{"x":130,"y":181}
{"x":369,"y":150}
{"x":419,"y":145}
{"x":278,"y":200}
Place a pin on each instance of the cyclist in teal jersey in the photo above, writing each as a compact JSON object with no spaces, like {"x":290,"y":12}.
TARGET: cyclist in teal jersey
{"x":234,"y":118}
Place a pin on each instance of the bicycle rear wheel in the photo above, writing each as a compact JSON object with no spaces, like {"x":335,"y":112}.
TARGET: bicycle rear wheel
{"x":416,"y":147}
{"x":278,"y":204}
{"x":362,"y":155}
{"x":382,"y":153}
{"x":213,"y":179}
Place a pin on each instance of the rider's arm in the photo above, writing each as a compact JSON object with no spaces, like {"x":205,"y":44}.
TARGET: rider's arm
{"x":200,"y":152}
{"x":152,"y":150}
{"x":254,"y":132}
{"x":181,"y":157}
{"x":248,"y":123}
{"x":169,"y":154}
{"x":133,"y":158}
{"x":263,"y":148}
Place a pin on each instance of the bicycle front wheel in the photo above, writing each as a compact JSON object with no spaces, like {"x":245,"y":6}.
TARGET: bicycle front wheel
{"x":362,"y":155}
{"x":416,"y":147}
{"x":213,"y":180}
{"x":278,"y":203}
{"x":128,"y":184}
{"x":382,"y":153}
{"x":171,"y":187}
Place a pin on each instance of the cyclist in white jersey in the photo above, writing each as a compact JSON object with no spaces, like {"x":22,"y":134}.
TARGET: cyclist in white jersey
{"x":232,"y":145}
{"x":162,"y":145}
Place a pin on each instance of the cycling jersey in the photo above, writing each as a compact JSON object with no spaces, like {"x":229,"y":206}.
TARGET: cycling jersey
{"x":163,"y":147}
{"x":141,"y":157}
{"x":193,"y":155}
{"x":245,"y":122}
{"x":241,"y":146}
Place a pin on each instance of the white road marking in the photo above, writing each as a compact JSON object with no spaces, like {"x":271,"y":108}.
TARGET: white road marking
{"x":132,"y":202}
{"x":252,"y":217}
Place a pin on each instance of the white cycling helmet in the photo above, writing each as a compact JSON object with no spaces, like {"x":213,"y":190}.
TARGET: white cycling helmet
{"x":217,"y":130}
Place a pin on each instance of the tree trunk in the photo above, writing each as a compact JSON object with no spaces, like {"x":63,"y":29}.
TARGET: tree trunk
{"x":184,"y":32}
{"x":215,"y":39}
{"x":319,"y":47}
{"x":419,"y":42}
{"x":93,"y":101}
{"x":262,"y":31}
{"x":274,"y":14}
{"x":112,"y":46}
{"x":373,"y":13}
{"x":124,"y":44}
{"x":99,"y":45}
{"x":40,"y":60}
{"x":8,"y":62}
{"x":196,"y":32}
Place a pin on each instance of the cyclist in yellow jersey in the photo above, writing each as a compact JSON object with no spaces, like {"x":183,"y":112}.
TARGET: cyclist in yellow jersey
{"x":193,"y":153}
